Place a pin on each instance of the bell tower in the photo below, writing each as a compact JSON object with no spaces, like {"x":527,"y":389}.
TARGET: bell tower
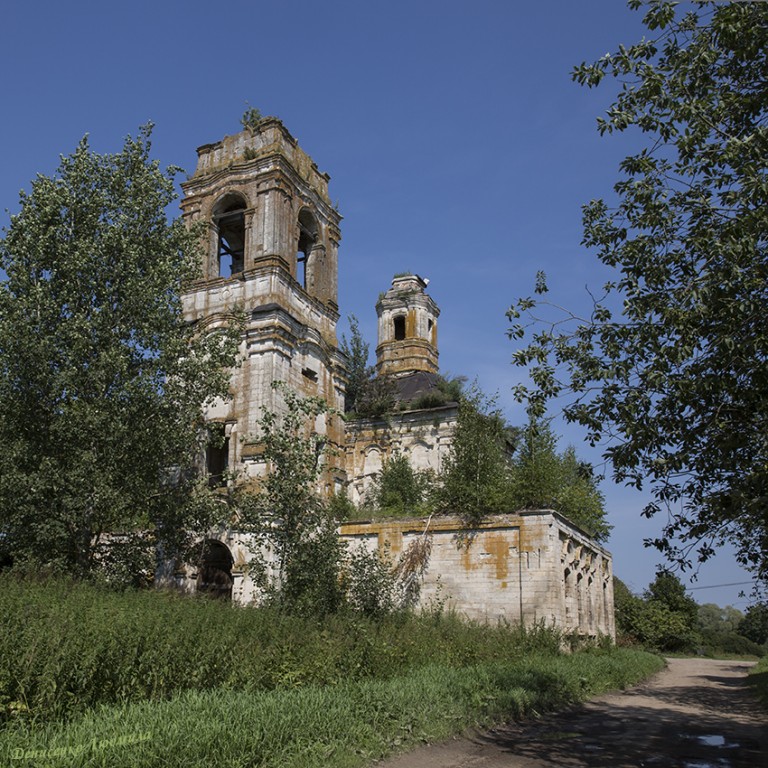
{"x":271,"y":240}
{"x":407,"y":328}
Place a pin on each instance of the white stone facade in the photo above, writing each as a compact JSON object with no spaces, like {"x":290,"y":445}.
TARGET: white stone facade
{"x":528,"y":567}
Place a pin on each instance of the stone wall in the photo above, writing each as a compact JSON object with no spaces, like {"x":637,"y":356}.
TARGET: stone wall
{"x":528,"y":567}
{"x":525,"y":567}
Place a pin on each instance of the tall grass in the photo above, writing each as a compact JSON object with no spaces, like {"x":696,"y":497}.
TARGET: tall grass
{"x":340,"y":726}
{"x":758,"y":679}
{"x":66,"y":647}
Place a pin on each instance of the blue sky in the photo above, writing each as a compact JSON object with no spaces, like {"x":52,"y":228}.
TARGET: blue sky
{"x":457,"y":144}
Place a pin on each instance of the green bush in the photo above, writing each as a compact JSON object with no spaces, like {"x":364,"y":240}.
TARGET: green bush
{"x":729,"y":644}
{"x":371,"y":582}
{"x":429,"y":400}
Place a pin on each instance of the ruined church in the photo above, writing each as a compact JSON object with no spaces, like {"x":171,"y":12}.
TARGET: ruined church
{"x":272,"y":249}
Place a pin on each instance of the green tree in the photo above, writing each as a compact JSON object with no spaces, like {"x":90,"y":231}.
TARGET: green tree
{"x":625,"y":606}
{"x":663,"y":619}
{"x":580,"y":499}
{"x":667,"y":590}
{"x":476,"y":472}
{"x":670,"y":614}
{"x":359,"y":372}
{"x":544,"y":479}
{"x":368,"y":395}
{"x":717,"y":628}
{"x":754,"y":625}
{"x":101,"y":380}
{"x":670,"y":367}
{"x":714,"y":620}
{"x":251,"y":118}
{"x":287,"y":513}
{"x":658,"y":627}
{"x":400,"y":490}
{"x":377,"y":397}
{"x":536,"y":477}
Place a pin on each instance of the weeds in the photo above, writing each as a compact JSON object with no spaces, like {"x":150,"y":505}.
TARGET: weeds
{"x":349,"y":724}
{"x":66,"y":647}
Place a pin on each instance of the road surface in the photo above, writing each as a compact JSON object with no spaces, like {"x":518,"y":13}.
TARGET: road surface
{"x":698,"y":713}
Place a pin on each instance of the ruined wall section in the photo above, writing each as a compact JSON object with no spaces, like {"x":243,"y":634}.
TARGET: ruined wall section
{"x":586,"y":584}
{"x":528,"y":568}
{"x":424,"y":436}
{"x":512,"y":568}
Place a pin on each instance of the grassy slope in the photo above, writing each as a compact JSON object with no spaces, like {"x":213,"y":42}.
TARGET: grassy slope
{"x":66,"y":648}
{"x":348,"y":724}
{"x":89,"y":677}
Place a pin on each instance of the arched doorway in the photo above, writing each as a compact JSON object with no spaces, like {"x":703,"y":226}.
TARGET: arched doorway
{"x":214,"y":574}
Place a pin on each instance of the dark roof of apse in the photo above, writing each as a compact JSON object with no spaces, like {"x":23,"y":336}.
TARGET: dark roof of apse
{"x":413,"y":385}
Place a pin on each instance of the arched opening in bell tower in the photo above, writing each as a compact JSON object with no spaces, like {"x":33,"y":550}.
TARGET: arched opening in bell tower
{"x":308,"y":231}
{"x":229,"y":218}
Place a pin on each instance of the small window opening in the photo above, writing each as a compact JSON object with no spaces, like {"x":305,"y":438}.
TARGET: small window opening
{"x":399,"y":328}
{"x":217,"y":456}
{"x":231,"y":253}
{"x":429,"y":325}
{"x":309,"y":374}
{"x":307,"y":240}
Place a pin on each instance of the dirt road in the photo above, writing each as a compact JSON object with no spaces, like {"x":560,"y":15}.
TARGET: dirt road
{"x":698,"y":713}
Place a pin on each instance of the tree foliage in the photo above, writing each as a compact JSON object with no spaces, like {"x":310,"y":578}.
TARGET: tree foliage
{"x":542,"y":478}
{"x":623,"y":606}
{"x":102,"y":381}
{"x":368,"y":396}
{"x":359,"y":372}
{"x":476,"y":472}
{"x":667,"y":590}
{"x":713,"y":619}
{"x":251,"y":118}
{"x":663,"y":619}
{"x":718,"y":631}
{"x":377,"y":398}
{"x":303,"y":566}
{"x":287,"y":514}
{"x":400,"y":490}
{"x":658,"y":627}
{"x":754,"y":625}
{"x":669,"y":370}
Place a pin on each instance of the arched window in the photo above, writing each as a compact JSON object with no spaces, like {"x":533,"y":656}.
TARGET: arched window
{"x":307,"y":238}
{"x":229,"y":218}
{"x":399,"y":323}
